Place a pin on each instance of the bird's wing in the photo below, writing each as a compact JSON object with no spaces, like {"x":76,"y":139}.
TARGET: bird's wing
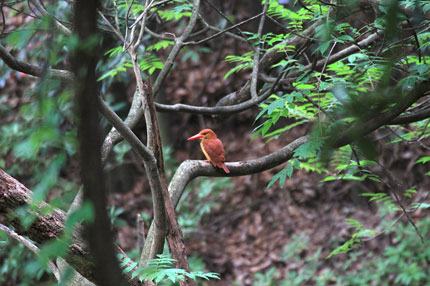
{"x":215,"y":150}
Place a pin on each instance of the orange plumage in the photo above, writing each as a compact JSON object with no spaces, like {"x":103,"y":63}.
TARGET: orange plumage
{"x":212,"y":148}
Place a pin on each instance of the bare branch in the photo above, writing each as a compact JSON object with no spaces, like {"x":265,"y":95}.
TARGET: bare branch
{"x":254,"y":73}
{"x":223,"y":31}
{"x":179,"y":107}
{"x":142,"y":24}
{"x":134,"y":115}
{"x":30,"y":245}
{"x":191,"y":169}
{"x":244,"y":37}
{"x":31,"y":69}
{"x":57,"y":23}
{"x":213,"y":28}
{"x":115,"y":30}
{"x":150,"y":164}
{"x":226,"y":109}
{"x":179,"y":43}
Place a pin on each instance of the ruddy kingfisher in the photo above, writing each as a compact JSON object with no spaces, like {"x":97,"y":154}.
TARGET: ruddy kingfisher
{"x":212,"y":148}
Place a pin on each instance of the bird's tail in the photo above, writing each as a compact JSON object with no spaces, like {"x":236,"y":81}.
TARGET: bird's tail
{"x":225,"y":168}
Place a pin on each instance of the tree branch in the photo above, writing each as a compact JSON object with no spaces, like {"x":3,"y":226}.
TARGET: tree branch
{"x":254,"y":74}
{"x":32,"y":69}
{"x":179,"y":43}
{"x":215,"y":110}
{"x":46,"y":227}
{"x":373,"y":121}
{"x":57,"y":23}
{"x":150,"y":164}
{"x":98,"y":232}
{"x":412,"y":117}
{"x":190,"y":169}
{"x":27,"y":243}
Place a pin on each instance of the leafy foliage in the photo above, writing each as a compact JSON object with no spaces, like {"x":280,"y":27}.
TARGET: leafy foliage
{"x":196,"y":204}
{"x":359,"y":232}
{"x":402,"y":263}
{"x":244,"y":60}
{"x":161,"y":271}
{"x":19,"y":265}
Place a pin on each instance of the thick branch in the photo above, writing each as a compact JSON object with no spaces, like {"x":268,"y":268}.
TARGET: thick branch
{"x":373,"y":121}
{"x":46,"y":227}
{"x":413,"y":117}
{"x":32,"y":69}
{"x":150,"y":164}
{"x":191,"y":169}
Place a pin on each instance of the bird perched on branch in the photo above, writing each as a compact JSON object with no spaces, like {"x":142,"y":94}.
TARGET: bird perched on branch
{"x":212,"y":148}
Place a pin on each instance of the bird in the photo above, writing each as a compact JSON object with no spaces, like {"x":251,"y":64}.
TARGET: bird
{"x":212,"y":148}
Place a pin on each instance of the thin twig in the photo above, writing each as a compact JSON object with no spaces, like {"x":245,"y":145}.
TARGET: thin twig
{"x":213,"y":28}
{"x":229,"y":21}
{"x":30,"y":245}
{"x":148,"y":6}
{"x":255,"y":66}
{"x":179,"y":44}
{"x":391,"y":188}
{"x":116,"y":31}
{"x":151,"y":6}
{"x":223,"y":31}
{"x":57,"y":23}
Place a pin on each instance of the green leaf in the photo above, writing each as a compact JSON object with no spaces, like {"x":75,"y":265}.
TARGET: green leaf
{"x":302,"y":86}
{"x":423,"y":160}
{"x":281,"y":176}
{"x":160,"y":45}
{"x":308,"y":149}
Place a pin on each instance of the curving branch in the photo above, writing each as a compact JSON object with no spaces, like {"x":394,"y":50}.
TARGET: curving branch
{"x":192,"y":169}
{"x":150,"y":164}
{"x":216,"y":110}
{"x":254,"y":74}
{"x":226,"y":109}
{"x":17,"y":65}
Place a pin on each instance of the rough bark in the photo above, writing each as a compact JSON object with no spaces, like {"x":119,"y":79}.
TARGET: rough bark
{"x":175,"y":238}
{"x":85,"y":56}
{"x":46,"y":227}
